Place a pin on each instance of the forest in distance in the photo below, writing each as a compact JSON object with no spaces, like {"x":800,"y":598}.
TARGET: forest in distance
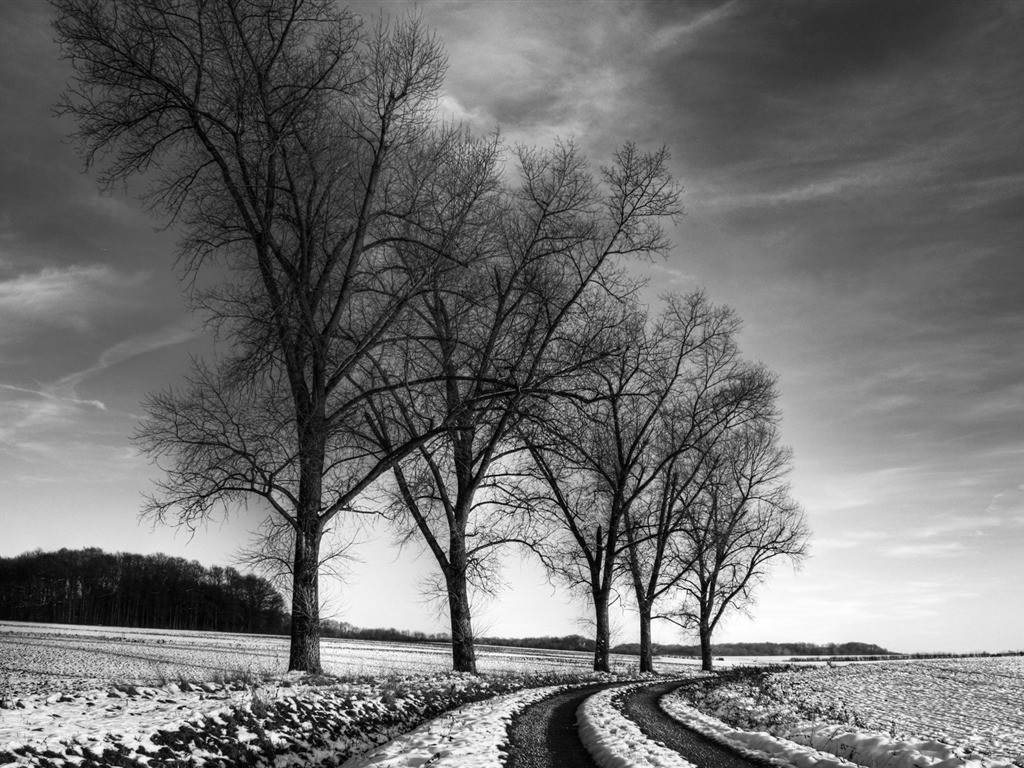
{"x":90,"y":586}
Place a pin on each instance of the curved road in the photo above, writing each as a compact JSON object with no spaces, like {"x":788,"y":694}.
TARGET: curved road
{"x":544,"y":735}
{"x":641,"y":706}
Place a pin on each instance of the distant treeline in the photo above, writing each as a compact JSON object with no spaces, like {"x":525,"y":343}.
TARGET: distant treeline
{"x":579,"y":643}
{"x":564,"y":643}
{"x":939,"y":655}
{"x":347,"y":631}
{"x":763,"y":649}
{"x":90,"y":586}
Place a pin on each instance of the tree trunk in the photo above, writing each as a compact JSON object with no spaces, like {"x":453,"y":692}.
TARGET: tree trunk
{"x":646,"y":649}
{"x":463,"y":650}
{"x":602,"y":634}
{"x":706,"y":663}
{"x":304,"y":655}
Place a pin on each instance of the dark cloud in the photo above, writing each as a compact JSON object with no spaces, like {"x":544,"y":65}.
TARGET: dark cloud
{"x":826,"y":81}
{"x":807,"y":45}
{"x":51,"y":211}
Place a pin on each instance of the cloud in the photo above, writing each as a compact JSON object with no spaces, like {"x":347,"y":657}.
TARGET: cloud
{"x":847,"y":540}
{"x":39,"y":421}
{"x":844,"y":491}
{"x":664,"y":277}
{"x":927,"y":549}
{"x":36,"y":423}
{"x":48,"y":394}
{"x":676,"y":34}
{"x":900,"y":614}
{"x":539,"y":71}
{"x":133,"y":346}
{"x":973,"y":526}
{"x":65,"y":297}
{"x":810,"y":190}
{"x":1007,"y":507}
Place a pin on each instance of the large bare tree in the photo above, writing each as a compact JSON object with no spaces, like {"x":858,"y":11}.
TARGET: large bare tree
{"x":515,"y":330}
{"x":295,"y":151}
{"x":741,"y":522}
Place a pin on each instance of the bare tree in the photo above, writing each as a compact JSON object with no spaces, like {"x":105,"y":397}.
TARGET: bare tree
{"x":669,"y":386}
{"x":513,"y":331}
{"x":294,"y":149}
{"x":718,"y":393}
{"x":271,"y":553}
{"x":656,"y":561}
{"x":742,"y":521}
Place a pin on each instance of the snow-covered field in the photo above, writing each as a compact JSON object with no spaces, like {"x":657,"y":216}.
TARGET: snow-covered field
{"x":953,"y":712}
{"x":65,"y":654}
{"x":967,"y":702}
{"x":93,"y":696}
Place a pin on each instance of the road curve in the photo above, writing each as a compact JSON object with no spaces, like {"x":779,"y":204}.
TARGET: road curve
{"x":544,"y":734}
{"x":641,"y":706}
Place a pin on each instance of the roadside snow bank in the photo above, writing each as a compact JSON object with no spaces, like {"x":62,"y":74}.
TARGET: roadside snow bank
{"x":469,"y":737}
{"x":756,"y":745}
{"x":877,"y":750}
{"x":615,"y":741}
{"x":294,"y":721}
{"x":822,"y":745}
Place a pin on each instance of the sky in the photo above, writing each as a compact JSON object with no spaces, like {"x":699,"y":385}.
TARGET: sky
{"x":853,"y":184}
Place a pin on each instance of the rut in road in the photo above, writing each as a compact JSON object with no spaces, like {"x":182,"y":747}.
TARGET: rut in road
{"x":544,"y":735}
{"x":641,"y":706}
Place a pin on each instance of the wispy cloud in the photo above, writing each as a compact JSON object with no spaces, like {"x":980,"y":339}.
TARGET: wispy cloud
{"x":898,"y":615}
{"x":141,"y":344}
{"x":1008,"y":507}
{"x":64,"y":297}
{"x":807,"y":191}
{"x":674,"y":35}
{"x":40,"y":420}
{"x":927,"y":549}
{"x":37,"y":422}
{"x":848,"y":540}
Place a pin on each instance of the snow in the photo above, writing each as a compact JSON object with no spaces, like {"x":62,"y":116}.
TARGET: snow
{"x":753,"y":744}
{"x":470,"y":737}
{"x":614,"y":741}
{"x":77,"y":694}
{"x":976,"y":704}
{"x":112,"y":711}
{"x":877,"y":750}
{"x":298,"y":722}
{"x":83,"y":694}
{"x":473,"y":736}
{"x":72,"y":652}
{"x":824,"y":744}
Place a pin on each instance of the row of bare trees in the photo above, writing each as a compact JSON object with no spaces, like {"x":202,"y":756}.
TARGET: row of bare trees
{"x":423,"y":324}
{"x":668,"y":471}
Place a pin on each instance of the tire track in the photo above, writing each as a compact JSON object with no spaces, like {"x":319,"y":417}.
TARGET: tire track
{"x":641,"y":706}
{"x":544,"y":735}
